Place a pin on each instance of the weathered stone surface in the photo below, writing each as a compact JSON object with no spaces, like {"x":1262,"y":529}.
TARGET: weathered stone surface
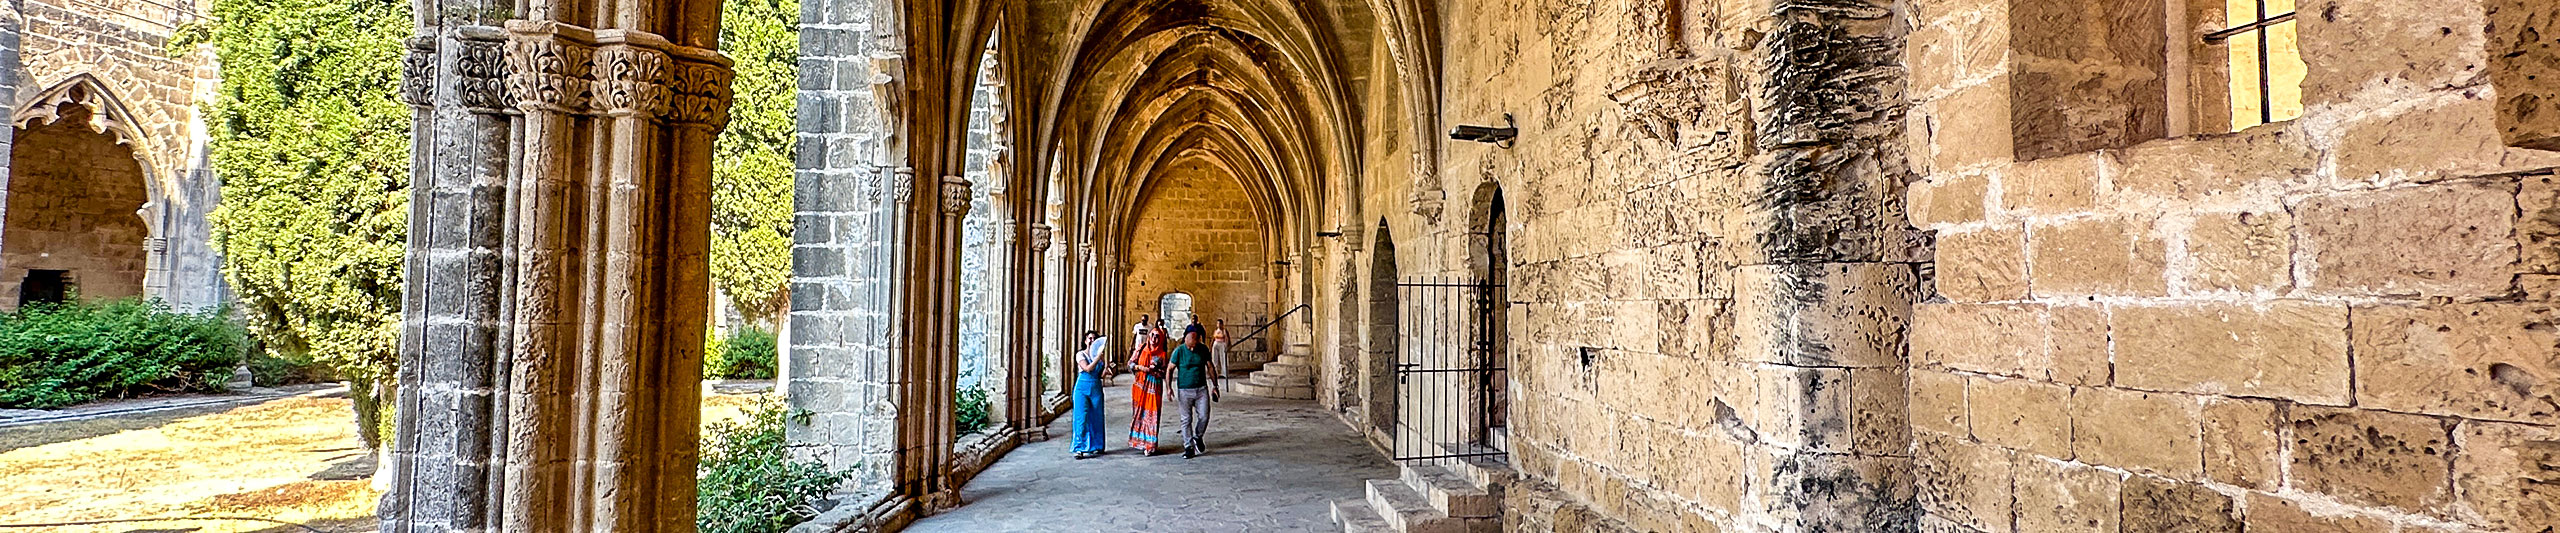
{"x":2524,"y":68}
{"x":2243,"y":443}
{"x":2485,"y":361}
{"x":2184,"y":173}
{"x":2097,"y":257}
{"x":2023,"y":415}
{"x":1836,"y":314}
{"x":1970,"y":127}
{"x":1954,"y":199}
{"x":1989,"y":338}
{"x":2538,"y":221}
{"x":2290,"y":350}
{"x":2147,"y":432}
{"x":1965,"y":483}
{"x":1938,"y":403}
{"x":2086,"y":75}
{"x":2051,"y":186}
{"x":2270,"y":514}
{"x":2509,"y":474}
{"x":2443,"y":239}
{"x":2466,"y":147}
{"x":2078,"y":345}
{"x":2351,"y":45}
{"x":2247,"y":252}
{"x":2154,"y":505}
{"x":1982,"y":266}
{"x":2063,"y":497}
{"x":2373,"y":457}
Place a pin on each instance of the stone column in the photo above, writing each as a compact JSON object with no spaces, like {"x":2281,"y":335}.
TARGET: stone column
{"x":560,"y":218}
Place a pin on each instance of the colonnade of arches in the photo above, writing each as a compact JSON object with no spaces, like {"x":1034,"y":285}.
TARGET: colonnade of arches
{"x":1014,"y":173}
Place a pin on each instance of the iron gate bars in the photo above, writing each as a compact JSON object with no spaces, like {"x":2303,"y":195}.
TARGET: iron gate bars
{"x":1449,"y":369}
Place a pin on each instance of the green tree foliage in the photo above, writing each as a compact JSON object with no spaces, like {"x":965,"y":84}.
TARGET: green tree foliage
{"x":751,"y":163}
{"x":750,"y":354}
{"x":749,"y":482}
{"x":313,"y":151}
{"x":52,"y":355}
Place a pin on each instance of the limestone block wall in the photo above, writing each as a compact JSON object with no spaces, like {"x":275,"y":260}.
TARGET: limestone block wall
{"x":847,"y":204}
{"x":123,"y":46}
{"x":1710,"y":269}
{"x":1197,"y":234}
{"x":2338,"y":323}
{"x":76,"y":206}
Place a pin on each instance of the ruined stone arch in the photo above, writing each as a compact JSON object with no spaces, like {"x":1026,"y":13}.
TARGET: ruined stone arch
{"x":107,"y":115}
{"x":85,"y":211}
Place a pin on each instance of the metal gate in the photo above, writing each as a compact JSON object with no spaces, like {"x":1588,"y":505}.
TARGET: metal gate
{"x":1449,"y":374}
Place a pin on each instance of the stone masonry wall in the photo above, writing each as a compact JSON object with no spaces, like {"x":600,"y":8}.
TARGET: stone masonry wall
{"x":1710,"y":270}
{"x":1197,"y":234}
{"x":2343,"y":322}
{"x":74,"y":206}
{"x":845,"y":204}
{"x":123,"y":45}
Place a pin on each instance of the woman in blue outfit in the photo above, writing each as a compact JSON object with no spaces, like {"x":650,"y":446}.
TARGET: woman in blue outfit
{"x":1088,"y":406}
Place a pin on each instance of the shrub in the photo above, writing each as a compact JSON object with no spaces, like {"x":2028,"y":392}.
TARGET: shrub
{"x":268,"y":368}
{"x":972,"y":406}
{"x":52,"y":355}
{"x":749,"y":354}
{"x":749,"y":482}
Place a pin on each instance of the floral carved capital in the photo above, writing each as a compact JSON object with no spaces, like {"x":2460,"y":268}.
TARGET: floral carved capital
{"x":955,"y":196}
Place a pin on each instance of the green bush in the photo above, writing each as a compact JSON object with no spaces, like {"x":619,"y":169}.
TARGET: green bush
{"x":749,"y":482}
{"x":972,"y":406}
{"x":52,"y":355}
{"x":268,"y":368}
{"x":750,"y":354}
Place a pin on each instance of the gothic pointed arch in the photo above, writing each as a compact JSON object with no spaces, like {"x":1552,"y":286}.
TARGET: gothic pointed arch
{"x":107,"y":114}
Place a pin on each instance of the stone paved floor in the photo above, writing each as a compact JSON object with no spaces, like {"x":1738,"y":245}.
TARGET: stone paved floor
{"x":1273,"y":465}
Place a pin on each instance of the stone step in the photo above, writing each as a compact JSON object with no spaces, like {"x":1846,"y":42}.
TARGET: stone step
{"x":1301,"y":350}
{"x":1278,"y":393}
{"x":1452,"y":493}
{"x":1355,"y":516}
{"x":1304,"y":360}
{"x":1491,"y":473}
{"x":1286,"y":368}
{"x":1280,"y":380}
{"x":1406,"y":510}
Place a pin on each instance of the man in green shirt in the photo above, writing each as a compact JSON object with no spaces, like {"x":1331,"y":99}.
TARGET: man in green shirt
{"x":1193,"y":376}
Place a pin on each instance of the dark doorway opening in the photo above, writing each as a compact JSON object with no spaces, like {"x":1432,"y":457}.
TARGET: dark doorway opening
{"x":44,"y":287}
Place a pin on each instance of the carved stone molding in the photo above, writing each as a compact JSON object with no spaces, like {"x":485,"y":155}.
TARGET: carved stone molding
{"x":1660,"y":101}
{"x":106,"y":115}
{"x":531,"y":66}
{"x":418,"y":72}
{"x":1041,"y":234}
{"x":902,"y":186}
{"x":955,"y":196}
{"x":866,"y":184}
{"x":479,"y":79}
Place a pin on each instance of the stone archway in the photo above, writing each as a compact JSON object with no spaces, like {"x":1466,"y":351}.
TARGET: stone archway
{"x":1489,"y":263}
{"x":1384,"y":315}
{"x":78,"y":217}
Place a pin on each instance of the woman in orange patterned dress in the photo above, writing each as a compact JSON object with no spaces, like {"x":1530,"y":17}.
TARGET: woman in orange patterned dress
{"x":1147,"y":392}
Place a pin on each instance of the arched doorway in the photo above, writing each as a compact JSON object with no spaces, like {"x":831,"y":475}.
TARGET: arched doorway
{"x":1175,"y":307}
{"x":1384,"y":314}
{"x":76,"y":223}
{"x":1490,"y":264}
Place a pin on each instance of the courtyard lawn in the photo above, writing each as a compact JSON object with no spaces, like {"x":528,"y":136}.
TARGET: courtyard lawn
{"x":290,"y":461}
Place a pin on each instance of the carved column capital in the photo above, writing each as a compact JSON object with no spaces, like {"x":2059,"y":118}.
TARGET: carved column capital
{"x":1040,"y":236}
{"x":902,"y":186}
{"x":955,"y":196}
{"x":479,"y":59}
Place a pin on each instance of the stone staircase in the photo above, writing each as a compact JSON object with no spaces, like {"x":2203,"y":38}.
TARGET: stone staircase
{"x":1291,"y":377}
{"x":1451,"y":496}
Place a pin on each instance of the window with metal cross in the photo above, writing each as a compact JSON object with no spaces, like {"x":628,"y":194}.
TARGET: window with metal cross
{"x":2265,"y":61}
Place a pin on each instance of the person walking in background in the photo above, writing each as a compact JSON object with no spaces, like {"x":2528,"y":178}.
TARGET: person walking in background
{"x":1091,"y":371}
{"x":1218,"y":347}
{"x":1137,"y":338}
{"x":1194,"y":376}
{"x":1146,"y":392}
